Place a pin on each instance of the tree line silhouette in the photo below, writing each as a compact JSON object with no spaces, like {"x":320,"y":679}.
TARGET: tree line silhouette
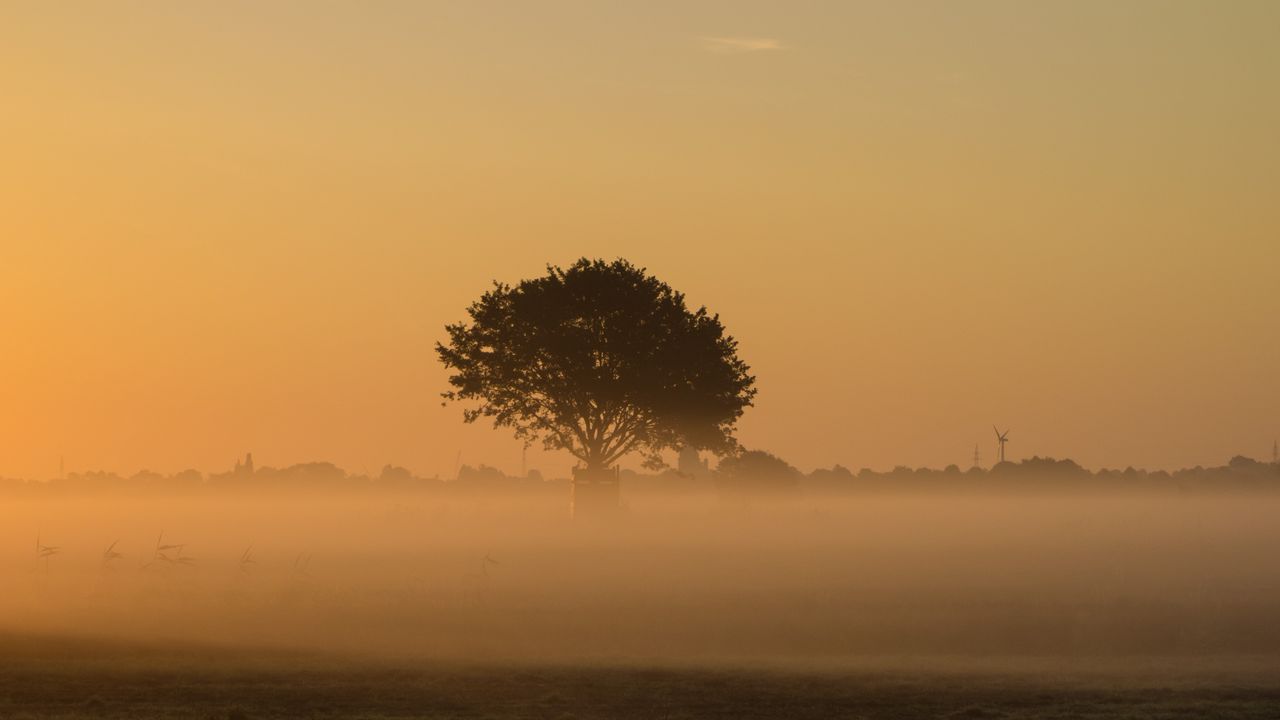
{"x":748,"y":472}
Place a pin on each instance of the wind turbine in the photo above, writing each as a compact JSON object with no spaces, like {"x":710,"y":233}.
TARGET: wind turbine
{"x":1002,"y":438}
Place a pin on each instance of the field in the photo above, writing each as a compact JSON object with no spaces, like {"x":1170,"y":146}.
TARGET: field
{"x":892,"y":607}
{"x":45,"y":677}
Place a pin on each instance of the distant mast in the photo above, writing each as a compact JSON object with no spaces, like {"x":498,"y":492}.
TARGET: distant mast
{"x":977,"y":457}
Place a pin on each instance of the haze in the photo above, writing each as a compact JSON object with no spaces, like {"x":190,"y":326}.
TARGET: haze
{"x":683,"y":579}
{"x":241,"y":226}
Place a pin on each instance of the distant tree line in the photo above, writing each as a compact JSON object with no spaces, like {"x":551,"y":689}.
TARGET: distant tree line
{"x":748,"y":472}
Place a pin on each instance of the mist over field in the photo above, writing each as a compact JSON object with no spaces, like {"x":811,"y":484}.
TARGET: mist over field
{"x":676,"y":579}
{"x":861,"y":359}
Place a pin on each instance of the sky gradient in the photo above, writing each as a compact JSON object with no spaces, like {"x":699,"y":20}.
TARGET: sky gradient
{"x":242,"y":226}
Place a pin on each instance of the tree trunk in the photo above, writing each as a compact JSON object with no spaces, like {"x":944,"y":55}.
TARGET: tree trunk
{"x":594,"y":493}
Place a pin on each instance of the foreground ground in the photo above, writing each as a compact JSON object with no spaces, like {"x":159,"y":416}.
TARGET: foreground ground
{"x":43,"y":677}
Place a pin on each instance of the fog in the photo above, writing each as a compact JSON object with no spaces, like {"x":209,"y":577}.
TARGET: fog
{"x":813,"y":578}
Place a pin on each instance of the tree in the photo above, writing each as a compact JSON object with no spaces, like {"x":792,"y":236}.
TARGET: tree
{"x":757,"y":470}
{"x":601,"y":360}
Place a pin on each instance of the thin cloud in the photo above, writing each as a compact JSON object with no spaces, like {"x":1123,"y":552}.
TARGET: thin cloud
{"x":740,"y":44}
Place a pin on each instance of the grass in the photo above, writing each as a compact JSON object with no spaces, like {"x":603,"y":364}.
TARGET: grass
{"x":62,"y":678}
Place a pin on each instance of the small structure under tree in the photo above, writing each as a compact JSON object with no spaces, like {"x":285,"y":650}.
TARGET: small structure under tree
{"x":601,"y":360}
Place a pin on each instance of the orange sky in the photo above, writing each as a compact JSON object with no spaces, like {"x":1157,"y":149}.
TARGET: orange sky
{"x":241,"y":226}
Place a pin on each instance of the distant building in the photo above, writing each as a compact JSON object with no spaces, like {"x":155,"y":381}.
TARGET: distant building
{"x":246,"y":467}
{"x":689,"y":463}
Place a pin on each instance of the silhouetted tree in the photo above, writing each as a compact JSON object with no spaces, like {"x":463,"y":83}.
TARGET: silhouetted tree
{"x":756,"y":470}
{"x":395,"y":475}
{"x":1240,"y":462}
{"x":483,"y":476}
{"x":601,"y":359}
{"x":837,"y":478}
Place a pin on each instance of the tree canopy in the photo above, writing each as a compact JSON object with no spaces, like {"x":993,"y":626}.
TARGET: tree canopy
{"x":758,"y":470}
{"x":600,"y":359}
